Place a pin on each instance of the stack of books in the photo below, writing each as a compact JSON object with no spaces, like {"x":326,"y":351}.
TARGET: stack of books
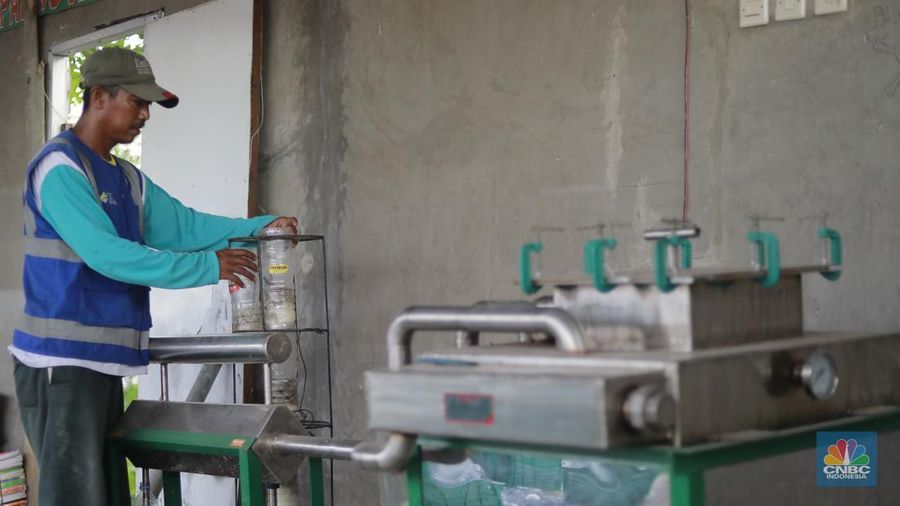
{"x":12,"y":480}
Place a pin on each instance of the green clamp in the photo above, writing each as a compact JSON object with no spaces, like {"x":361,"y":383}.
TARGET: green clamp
{"x":836,"y":252}
{"x":595,"y":262}
{"x":528,"y":284}
{"x":661,"y":261}
{"x":769,"y":256}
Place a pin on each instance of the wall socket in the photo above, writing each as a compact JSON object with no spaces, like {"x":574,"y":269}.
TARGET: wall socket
{"x":790,"y":9}
{"x":830,"y":6}
{"x":754,"y":13}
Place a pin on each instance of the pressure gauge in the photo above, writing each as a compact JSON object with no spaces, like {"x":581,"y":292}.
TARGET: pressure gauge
{"x":819,"y":376}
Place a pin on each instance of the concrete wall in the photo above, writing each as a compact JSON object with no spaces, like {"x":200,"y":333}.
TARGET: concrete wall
{"x":426,"y":138}
{"x":21,"y":129}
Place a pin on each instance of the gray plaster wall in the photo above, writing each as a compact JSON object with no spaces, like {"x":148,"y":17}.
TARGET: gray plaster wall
{"x":21,"y":129}
{"x":427,"y":138}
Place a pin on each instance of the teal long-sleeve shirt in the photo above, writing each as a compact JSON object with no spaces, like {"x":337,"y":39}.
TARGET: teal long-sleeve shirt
{"x":180,"y":242}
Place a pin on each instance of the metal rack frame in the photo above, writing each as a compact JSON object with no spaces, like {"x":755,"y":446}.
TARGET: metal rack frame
{"x":315,"y":467}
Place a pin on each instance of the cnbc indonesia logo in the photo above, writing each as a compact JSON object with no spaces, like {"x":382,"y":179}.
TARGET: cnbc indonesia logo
{"x":847,"y":461}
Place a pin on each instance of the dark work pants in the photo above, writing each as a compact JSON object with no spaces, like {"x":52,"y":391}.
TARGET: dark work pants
{"x":67,"y":416}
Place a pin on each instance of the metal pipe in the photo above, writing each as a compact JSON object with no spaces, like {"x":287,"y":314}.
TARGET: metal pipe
{"x":495,"y":317}
{"x":271,"y":494}
{"x":391,"y":456}
{"x":313,"y":447}
{"x":204,"y":382}
{"x":250,"y":348}
{"x":687,"y":231}
{"x":267,"y":383}
{"x":164,"y":381}
{"x":145,"y":477}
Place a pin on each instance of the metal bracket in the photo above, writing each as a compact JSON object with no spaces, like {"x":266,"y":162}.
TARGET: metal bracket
{"x":528,"y":284}
{"x":835,"y":252}
{"x":768,"y":256}
{"x":661,"y":259}
{"x":595,"y":262}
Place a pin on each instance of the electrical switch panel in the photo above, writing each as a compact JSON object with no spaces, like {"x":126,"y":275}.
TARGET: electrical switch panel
{"x":790,"y":9}
{"x":754,"y":13}
{"x":830,"y":6}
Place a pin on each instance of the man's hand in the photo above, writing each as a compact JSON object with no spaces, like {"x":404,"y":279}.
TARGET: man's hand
{"x":286,"y":222}
{"x":236,"y":261}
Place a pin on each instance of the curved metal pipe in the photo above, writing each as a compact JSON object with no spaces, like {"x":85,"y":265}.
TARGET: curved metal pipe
{"x":391,"y":456}
{"x":484,"y":317}
{"x":315,"y":447}
{"x":248,"y":348}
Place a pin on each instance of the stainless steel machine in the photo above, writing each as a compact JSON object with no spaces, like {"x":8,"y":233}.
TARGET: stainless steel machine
{"x":680,"y":356}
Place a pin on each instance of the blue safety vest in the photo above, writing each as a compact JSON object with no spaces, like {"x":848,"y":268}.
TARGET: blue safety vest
{"x":71,"y":310}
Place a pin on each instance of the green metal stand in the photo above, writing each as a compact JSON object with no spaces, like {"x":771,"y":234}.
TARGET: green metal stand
{"x":124,"y":444}
{"x":686,"y":466}
{"x":316,"y":482}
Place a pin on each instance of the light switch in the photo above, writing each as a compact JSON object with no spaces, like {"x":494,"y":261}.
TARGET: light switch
{"x":754,"y":13}
{"x":830,"y":6}
{"x":790,"y":9}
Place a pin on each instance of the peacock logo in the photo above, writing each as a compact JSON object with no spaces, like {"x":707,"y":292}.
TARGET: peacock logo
{"x":846,"y":452}
{"x":847,"y":459}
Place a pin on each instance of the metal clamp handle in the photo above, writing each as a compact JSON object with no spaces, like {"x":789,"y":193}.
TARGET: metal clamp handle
{"x":767,"y":256}
{"x":526,"y":281}
{"x":595,"y":260}
{"x":661,"y":259}
{"x":835,"y":252}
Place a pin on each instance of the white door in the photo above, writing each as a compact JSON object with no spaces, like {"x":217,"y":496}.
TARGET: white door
{"x":199,"y":153}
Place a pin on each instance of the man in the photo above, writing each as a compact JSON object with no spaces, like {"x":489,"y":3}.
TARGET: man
{"x":98,"y":234}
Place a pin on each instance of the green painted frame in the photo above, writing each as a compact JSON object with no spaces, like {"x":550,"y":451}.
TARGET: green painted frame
{"x":122,"y":443}
{"x":686,"y":466}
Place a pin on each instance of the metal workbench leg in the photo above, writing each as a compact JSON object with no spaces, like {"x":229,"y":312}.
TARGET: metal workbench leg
{"x":316,"y":483}
{"x":414,"y":485}
{"x":172,"y":488}
{"x":251,"y":479}
{"x":687,"y":488}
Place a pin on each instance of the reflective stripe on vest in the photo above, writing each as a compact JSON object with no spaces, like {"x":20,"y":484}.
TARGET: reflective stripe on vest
{"x":50,"y":248}
{"x":77,"y":332}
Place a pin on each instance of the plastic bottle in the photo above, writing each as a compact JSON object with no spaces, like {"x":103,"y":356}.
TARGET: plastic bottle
{"x":246,"y":307}
{"x":276,"y":266}
{"x":144,"y":497}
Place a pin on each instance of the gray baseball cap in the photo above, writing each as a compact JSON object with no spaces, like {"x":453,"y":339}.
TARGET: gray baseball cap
{"x":116,"y":66}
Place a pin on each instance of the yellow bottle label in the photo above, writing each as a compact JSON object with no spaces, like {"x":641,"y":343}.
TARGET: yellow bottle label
{"x":278,"y":269}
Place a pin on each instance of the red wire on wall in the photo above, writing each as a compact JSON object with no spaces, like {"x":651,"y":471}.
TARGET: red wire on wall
{"x":687,"y":108}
